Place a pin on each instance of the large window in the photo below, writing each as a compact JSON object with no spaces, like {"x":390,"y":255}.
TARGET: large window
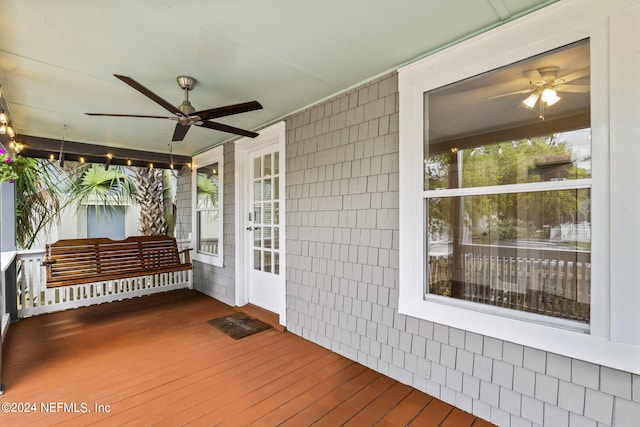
{"x":507,"y":178}
{"x":207,"y":192}
{"x":521,"y":223}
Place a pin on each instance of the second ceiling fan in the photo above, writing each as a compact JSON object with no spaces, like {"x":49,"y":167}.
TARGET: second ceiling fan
{"x":185,"y":115}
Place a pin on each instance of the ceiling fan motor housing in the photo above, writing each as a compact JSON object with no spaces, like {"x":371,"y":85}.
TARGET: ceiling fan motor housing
{"x":186,"y":107}
{"x":547,"y":75}
{"x":186,"y":82}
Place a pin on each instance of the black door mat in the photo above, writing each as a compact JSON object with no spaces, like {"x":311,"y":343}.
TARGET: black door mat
{"x":238,"y":325}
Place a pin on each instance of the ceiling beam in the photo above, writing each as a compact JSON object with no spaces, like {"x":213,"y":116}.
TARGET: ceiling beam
{"x":47,"y":148}
{"x":538,"y":128}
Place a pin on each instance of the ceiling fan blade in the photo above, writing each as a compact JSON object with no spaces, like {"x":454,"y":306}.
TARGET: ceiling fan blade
{"x":228,"y":129}
{"x":149,"y":94}
{"x":573,"y":76}
{"x":229,"y":110}
{"x":511,"y":93}
{"x":533,"y":75}
{"x":180,"y":131}
{"x":130,"y":115}
{"x":573,"y":88}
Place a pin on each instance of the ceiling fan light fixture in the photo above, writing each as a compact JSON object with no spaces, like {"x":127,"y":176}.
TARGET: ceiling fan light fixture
{"x":531,"y":100}
{"x":3,"y":117}
{"x":11,"y":131}
{"x":549,"y":96}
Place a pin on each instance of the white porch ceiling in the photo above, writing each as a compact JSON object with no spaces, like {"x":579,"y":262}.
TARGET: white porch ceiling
{"x":57,"y":58}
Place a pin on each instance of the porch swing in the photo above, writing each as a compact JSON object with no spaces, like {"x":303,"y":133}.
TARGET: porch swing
{"x":89,"y":260}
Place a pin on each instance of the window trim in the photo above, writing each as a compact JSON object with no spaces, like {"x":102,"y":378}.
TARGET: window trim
{"x":511,"y":43}
{"x":209,"y":157}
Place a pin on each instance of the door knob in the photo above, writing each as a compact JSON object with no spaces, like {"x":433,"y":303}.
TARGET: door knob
{"x":249,"y":228}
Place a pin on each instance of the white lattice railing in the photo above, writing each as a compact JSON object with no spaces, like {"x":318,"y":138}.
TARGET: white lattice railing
{"x":35,"y":298}
{"x":551,"y":282}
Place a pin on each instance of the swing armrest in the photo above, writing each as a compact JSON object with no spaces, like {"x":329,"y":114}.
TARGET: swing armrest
{"x":187,"y":255}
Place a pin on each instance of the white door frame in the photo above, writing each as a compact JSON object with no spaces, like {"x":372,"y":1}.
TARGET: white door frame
{"x":272,"y":135}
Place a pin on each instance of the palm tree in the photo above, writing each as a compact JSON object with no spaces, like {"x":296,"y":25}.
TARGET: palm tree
{"x":150,"y":197}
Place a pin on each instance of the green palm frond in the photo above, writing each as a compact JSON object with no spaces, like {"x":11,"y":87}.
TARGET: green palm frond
{"x":38,"y":203}
{"x":207,"y":192}
{"x":103,"y":188}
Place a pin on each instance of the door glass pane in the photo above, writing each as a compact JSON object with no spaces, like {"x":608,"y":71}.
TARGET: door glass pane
{"x":266,"y":190}
{"x":267,"y":214}
{"x":257,"y":212}
{"x":267,"y":237}
{"x":257,"y":167}
{"x":276,"y":237}
{"x":276,"y":213}
{"x":267,"y":262}
{"x":267,"y":165}
{"x":276,"y":163}
{"x":257,"y":264}
{"x":276,"y":263}
{"x":257,"y":237}
{"x":276,"y":188}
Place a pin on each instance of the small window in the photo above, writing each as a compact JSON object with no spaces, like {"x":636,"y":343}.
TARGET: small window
{"x":207,"y":190}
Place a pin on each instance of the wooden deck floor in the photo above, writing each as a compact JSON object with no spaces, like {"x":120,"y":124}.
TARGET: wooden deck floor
{"x":155,"y":361}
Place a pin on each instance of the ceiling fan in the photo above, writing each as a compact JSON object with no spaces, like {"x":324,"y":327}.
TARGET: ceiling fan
{"x":545,"y":85}
{"x":185,"y":114}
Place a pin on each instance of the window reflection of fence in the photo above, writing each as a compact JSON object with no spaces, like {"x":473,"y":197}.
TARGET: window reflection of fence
{"x":571,"y":233}
{"x":551,"y":282}
{"x":209,"y":246}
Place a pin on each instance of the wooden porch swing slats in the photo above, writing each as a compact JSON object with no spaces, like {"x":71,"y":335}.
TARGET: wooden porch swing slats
{"x":75,"y":261}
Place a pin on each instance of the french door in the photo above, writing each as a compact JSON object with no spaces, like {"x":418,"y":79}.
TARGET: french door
{"x":260,"y":252}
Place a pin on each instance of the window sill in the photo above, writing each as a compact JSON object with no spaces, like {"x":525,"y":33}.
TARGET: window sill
{"x":567,"y":342}
{"x":215,"y":260}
